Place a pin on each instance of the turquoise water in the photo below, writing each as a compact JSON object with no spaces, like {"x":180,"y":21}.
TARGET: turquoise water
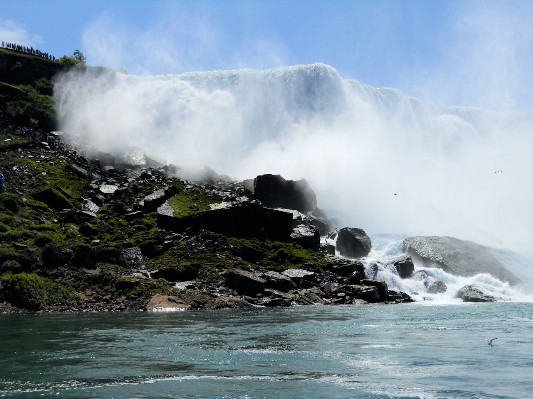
{"x":372,"y":351}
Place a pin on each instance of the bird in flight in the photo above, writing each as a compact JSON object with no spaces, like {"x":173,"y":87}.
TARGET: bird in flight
{"x":490,"y":341}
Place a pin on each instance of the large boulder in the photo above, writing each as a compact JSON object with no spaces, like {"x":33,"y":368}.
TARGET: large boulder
{"x":383,"y":289}
{"x":278,"y":281}
{"x":473,"y":293}
{"x":458,"y":257}
{"x":404,"y":266}
{"x":276,"y":192}
{"x":353,"y":242}
{"x":245,"y":282}
{"x":306,"y":236}
{"x":52,"y":198}
{"x":245,"y":220}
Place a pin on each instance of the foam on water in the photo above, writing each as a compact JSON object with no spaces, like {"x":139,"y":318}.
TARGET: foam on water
{"x":388,"y":247}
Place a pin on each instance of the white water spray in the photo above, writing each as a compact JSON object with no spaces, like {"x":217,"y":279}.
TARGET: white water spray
{"x":376,"y":158}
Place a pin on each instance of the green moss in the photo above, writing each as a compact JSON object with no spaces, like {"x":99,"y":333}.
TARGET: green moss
{"x":33,"y":292}
{"x":185,"y":204}
{"x":134,"y":288}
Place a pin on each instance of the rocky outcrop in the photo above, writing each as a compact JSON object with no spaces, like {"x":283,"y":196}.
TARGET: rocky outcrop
{"x":276,"y":192}
{"x":458,"y":257}
{"x":246,"y":220}
{"x":473,"y":293}
{"x":353,"y":242}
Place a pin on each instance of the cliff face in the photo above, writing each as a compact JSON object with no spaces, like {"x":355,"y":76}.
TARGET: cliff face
{"x":18,"y":68}
{"x":26,"y":88}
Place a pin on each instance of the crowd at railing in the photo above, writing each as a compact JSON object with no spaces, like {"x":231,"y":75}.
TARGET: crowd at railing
{"x":27,"y":50}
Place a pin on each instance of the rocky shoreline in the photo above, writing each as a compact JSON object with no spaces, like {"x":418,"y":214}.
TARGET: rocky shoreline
{"x":84,"y":234}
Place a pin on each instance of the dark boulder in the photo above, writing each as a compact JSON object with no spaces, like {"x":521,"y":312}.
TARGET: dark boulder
{"x":383,"y":290}
{"x":246,"y":220}
{"x":404,"y":266}
{"x":344,"y":267}
{"x":306,"y":236}
{"x":245,"y":282}
{"x":367,"y":293}
{"x":52,"y":198}
{"x":473,"y":293}
{"x":84,"y":257}
{"x":276,"y":192}
{"x":54,"y":256}
{"x":302,"y":278}
{"x":353,"y":242}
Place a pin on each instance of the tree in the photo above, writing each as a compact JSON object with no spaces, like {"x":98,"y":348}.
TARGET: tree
{"x":71,"y":60}
{"x":78,"y":55}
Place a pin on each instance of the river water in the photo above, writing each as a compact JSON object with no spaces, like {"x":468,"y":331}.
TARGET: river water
{"x":367,"y":351}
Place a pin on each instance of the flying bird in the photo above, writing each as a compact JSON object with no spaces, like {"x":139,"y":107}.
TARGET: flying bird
{"x":490,"y":341}
{"x":498,"y":171}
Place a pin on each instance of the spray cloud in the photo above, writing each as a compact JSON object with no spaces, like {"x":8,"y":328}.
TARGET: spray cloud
{"x":376,"y":158}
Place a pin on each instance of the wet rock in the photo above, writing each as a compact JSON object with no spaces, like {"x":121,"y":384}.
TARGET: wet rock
{"x":167,"y":303}
{"x":276,"y":192}
{"x":306,"y":236}
{"x":245,"y":282}
{"x":399,"y":297}
{"x":353,"y":242}
{"x":355,"y":278}
{"x":473,"y":293}
{"x":345,"y":267}
{"x":459,"y":257}
{"x":383,"y":290}
{"x":404,"y":266}
{"x":369,"y":294}
{"x":437,"y":287}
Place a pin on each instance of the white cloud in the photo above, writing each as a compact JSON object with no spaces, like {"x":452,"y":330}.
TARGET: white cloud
{"x":14,"y":32}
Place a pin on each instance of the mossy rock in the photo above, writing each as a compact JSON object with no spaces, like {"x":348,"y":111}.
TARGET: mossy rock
{"x":52,"y":198}
{"x":32,"y":292}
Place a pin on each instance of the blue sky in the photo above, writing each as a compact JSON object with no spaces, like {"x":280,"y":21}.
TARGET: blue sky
{"x":468,"y":52}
